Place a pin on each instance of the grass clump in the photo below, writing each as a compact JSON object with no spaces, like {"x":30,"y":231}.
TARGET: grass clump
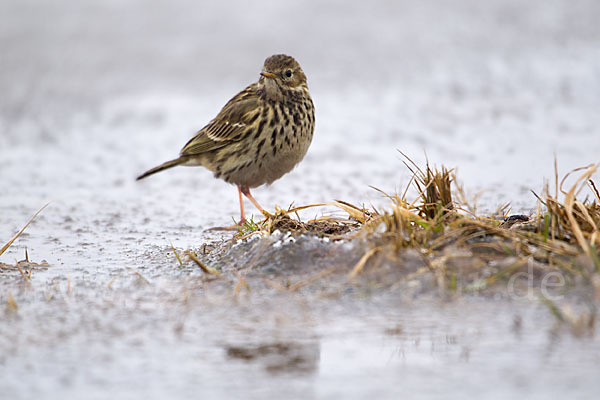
{"x":434,"y":220}
{"x":464,"y":250}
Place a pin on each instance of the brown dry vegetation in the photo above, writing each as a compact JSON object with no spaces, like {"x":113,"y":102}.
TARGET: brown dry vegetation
{"x":467,"y":252}
{"x":433,"y":223}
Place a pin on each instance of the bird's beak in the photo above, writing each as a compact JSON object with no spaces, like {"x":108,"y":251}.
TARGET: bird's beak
{"x":268,"y":74}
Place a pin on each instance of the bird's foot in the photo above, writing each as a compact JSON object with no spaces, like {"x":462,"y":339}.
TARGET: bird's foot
{"x":223,"y":228}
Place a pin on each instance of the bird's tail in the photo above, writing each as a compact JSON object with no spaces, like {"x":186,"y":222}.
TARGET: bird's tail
{"x":163,"y":166}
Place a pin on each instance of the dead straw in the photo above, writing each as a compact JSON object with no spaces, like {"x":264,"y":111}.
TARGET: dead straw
{"x":11,"y":241}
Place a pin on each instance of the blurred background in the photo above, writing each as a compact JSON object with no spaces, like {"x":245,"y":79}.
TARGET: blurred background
{"x":92,"y":93}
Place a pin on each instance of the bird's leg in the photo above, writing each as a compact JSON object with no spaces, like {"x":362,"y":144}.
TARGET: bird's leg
{"x":246,"y":191}
{"x":243,"y":220}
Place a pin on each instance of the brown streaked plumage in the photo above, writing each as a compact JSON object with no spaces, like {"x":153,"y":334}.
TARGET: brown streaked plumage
{"x":259,"y":135}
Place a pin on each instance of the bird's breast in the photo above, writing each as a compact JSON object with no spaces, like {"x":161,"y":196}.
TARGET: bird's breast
{"x":276,"y":142}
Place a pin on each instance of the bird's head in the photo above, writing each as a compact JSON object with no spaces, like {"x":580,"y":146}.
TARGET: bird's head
{"x":282,"y":72}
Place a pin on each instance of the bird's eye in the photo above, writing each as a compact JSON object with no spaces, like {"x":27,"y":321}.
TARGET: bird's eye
{"x":288,"y":73}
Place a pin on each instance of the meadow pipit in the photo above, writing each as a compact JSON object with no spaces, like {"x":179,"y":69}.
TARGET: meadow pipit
{"x":259,"y":135}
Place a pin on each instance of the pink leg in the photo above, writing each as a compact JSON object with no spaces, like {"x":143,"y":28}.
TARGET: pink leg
{"x":246,"y":191}
{"x":241,"y":206}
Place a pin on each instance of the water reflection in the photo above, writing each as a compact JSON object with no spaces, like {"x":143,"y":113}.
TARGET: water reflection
{"x":279,"y":357}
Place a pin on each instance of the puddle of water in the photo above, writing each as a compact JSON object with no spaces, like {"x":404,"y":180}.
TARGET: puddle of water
{"x":174,"y":338}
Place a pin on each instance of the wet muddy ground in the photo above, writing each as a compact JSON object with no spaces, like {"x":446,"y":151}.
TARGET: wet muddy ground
{"x":95,"y":93}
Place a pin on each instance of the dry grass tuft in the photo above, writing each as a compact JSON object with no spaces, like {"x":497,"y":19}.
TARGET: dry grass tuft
{"x":439,"y":228}
{"x":463,"y":250}
{"x":434,"y":188}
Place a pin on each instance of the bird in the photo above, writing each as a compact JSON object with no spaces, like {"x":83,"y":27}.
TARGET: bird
{"x":261,"y":134}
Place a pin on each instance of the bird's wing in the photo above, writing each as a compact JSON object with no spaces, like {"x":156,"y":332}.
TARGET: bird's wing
{"x":229,"y":126}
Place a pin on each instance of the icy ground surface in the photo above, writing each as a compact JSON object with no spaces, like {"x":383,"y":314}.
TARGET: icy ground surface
{"x":94,"y":93}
